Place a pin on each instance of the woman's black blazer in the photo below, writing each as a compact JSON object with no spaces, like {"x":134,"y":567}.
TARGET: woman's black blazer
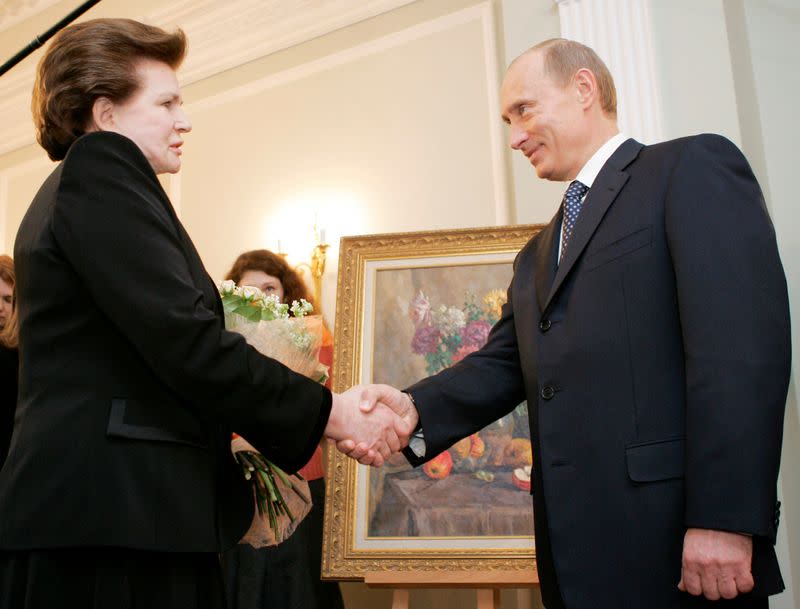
{"x":129,"y":385}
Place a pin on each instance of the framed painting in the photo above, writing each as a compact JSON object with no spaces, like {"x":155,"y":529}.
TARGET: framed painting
{"x":408,"y":306}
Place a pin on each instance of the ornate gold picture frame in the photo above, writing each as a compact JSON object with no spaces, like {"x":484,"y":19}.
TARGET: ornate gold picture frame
{"x":409,"y":304}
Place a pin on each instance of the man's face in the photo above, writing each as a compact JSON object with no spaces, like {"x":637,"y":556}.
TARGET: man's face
{"x":546,"y":120}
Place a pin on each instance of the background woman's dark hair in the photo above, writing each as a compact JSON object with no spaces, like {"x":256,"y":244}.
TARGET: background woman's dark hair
{"x":294,"y":288}
{"x":9,"y":335}
{"x":88,"y":60}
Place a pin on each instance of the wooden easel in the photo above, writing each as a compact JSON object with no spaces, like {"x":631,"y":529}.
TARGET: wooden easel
{"x":487,"y":584}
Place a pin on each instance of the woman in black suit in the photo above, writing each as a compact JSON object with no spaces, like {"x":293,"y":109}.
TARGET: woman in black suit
{"x":9,"y":365}
{"x":120,"y":489}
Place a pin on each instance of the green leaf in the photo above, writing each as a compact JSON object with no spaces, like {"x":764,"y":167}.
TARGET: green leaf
{"x":249,"y":312}
{"x":229,"y":303}
{"x":267,"y":315}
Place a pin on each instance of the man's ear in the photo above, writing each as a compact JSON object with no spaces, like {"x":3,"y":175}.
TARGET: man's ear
{"x":102,"y":115}
{"x":585,"y":87}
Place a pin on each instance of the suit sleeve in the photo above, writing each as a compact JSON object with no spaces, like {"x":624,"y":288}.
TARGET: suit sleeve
{"x":733,"y":306}
{"x":115,"y":232}
{"x":482,"y":388}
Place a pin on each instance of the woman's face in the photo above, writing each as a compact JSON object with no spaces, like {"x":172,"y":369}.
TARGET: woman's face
{"x":153,"y":117}
{"x":6,"y":301}
{"x":266,"y":283}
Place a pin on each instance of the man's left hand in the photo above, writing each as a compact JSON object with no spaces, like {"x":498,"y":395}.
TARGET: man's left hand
{"x":716,"y":564}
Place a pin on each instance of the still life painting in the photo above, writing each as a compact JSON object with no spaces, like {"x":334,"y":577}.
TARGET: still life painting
{"x":410,"y":305}
{"x":447,"y":312}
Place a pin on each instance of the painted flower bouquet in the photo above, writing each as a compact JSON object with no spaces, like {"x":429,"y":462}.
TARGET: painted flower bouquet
{"x":445,"y":335}
{"x":282,"y":499}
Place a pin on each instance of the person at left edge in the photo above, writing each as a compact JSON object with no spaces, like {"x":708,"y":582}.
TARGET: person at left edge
{"x":120,"y":489}
{"x":9,"y":365}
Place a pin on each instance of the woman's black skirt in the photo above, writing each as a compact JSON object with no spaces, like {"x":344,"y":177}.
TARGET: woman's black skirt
{"x":109,"y":578}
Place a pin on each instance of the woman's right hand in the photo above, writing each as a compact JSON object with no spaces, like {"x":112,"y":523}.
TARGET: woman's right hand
{"x":365,"y":424}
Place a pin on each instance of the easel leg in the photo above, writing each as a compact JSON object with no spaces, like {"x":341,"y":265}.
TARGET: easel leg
{"x":488,"y":598}
{"x":400,"y":599}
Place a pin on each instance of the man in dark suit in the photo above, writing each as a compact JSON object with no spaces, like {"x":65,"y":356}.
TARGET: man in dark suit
{"x":647,"y":326}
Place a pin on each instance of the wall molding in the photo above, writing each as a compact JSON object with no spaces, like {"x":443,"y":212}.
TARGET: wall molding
{"x":497,"y":134}
{"x":262,"y":27}
{"x":620,"y":31}
{"x":6,"y":175}
{"x":13,"y":12}
{"x":482,"y":13}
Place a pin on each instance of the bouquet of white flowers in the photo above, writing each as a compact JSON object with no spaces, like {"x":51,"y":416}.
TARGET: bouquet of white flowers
{"x":282,"y":499}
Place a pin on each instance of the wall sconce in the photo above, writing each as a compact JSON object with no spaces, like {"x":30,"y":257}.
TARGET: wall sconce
{"x":317,"y":266}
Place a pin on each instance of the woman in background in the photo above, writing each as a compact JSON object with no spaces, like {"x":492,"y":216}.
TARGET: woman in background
{"x":286,"y":575}
{"x":9,"y":361}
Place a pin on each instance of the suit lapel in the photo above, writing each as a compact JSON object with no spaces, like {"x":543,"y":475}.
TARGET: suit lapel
{"x":605,"y":189}
{"x":545,"y":265}
{"x":196,"y":268}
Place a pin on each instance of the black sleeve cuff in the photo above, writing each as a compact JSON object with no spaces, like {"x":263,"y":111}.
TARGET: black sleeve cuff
{"x":319,"y":427}
{"x":412,"y":457}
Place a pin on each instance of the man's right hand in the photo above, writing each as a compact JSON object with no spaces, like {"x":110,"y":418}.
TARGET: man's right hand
{"x":365,"y":427}
{"x":374,"y":396}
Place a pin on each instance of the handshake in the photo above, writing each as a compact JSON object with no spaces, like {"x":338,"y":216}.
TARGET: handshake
{"x":371,"y":422}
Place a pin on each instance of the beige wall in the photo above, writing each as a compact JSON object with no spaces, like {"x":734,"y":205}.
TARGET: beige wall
{"x":729,"y":67}
{"x":769,"y":82}
{"x":349,"y":138}
{"x":693,"y":62}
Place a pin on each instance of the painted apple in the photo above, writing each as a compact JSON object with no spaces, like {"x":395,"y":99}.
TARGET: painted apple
{"x":521,"y":478}
{"x":439,"y":467}
{"x":477,"y":447}
{"x":462,"y":448}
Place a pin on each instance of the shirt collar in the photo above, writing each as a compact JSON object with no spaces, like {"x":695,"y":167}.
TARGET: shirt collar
{"x":588,"y":174}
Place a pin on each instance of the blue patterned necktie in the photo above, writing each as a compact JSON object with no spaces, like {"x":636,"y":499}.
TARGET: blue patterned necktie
{"x":572,"y":207}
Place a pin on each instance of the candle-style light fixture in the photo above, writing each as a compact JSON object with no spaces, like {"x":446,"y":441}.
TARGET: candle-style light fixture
{"x":317,"y":266}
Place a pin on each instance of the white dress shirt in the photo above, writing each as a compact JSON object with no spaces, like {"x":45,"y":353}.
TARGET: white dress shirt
{"x":588,"y":174}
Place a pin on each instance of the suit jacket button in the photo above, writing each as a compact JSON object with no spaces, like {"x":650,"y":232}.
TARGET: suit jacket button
{"x":548,"y":392}
{"x":544,"y":325}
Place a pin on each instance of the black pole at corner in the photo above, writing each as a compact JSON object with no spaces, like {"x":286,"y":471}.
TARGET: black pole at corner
{"x":42,"y":38}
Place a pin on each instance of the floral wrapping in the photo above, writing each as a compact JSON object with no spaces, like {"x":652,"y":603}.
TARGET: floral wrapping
{"x":282,"y":500}
{"x":261,"y":533}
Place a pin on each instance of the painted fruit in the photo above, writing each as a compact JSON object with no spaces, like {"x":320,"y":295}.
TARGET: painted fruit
{"x":521,"y":478}
{"x":462,"y":448}
{"x":439,"y":467}
{"x":477,"y":447}
{"x":519,"y":453}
